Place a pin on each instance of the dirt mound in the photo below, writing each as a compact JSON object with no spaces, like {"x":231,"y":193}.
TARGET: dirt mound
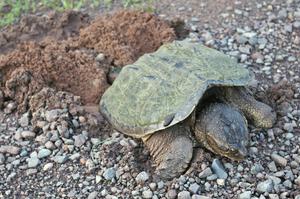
{"x":32,"y":27}
{"x":72,"y":64}
{"x":126,"y":36}
{"x":48,"y":98}
{"x":33,"y":66}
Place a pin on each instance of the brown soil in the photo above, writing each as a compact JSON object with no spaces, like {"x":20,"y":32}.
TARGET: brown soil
{"x":126,"y":36}
{"x":70,"y":64}
{"x":34,"y":28}
{"x":52,"y":64}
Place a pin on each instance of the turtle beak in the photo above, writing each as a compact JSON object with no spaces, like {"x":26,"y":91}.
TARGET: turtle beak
{"x":239,"y":153}
{"x":243,"y":152}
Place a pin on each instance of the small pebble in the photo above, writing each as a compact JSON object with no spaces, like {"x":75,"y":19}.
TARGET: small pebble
{"x":93,"y":195}
{"x":273,"y":196}
{"x":265,"y":186}
{"x":60,"y":159}
{"x":184,"y":195}
{"x":281,"y":161}
{"x":142,"y":177}
{"x":221,"y":182}
{"x":24,"y":120}
{"x":218,"y":169}
{"x":33,"y":162}
{"x":212,"y":177}
{"x":100,"y":57}
{"x":13,"y":150}
{"x":52,"y":115}
{"x":152,"y":186}
{"x":147,"y":194}
{"x":297,"y":181}
{"x":2,"y":158}
{"x":49,"y":145}
{"x":245,"y":195}
{"x":28,"y":134}
{"x":109,"y":173}
{"x":194,"y":188}
{"x":205,"y":173}
{"x":200,"y":197}
{"x":74,"y":156}
{"x":43,"y":153}
{"x":171,"y":194}
{"x":48,"y":166}
{"x":288,"y":127}
{"x":79,"y":140}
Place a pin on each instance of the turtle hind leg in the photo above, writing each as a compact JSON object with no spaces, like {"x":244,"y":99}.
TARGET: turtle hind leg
{"x":260,"y":114}
{"x":172,"y":151}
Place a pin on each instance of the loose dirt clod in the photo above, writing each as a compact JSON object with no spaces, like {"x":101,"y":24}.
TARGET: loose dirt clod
{"x":48,"y":98}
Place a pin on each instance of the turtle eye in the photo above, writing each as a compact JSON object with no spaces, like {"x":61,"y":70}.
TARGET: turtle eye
{"x":224,"y":148}
{"x":230,"y":150}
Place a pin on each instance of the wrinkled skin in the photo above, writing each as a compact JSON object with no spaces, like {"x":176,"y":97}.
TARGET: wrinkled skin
{"x":220,"y":127}
{"x":223,"y":130}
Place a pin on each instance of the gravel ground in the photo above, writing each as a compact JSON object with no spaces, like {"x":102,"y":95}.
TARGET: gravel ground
{"x":57,"y":154}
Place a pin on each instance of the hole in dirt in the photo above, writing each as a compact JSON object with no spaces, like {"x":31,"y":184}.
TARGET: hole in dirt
{"x":181,"y":31}
{"x":143,"y":160}
{"x":277,"y":96}
{"x":112,"y":153}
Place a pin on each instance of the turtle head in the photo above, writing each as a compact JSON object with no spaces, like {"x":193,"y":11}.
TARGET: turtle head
{"x":223,"y":130}
{"x":232,"y":145}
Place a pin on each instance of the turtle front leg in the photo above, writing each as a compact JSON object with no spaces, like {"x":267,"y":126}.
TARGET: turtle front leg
{"x":171,"y":149}
{"x":260,"y":114}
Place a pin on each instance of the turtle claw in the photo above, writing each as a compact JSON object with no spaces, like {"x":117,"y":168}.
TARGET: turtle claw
{"x":171,"y":150}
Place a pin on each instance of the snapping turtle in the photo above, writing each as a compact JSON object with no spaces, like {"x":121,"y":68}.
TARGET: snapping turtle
{"x":183,"y":91}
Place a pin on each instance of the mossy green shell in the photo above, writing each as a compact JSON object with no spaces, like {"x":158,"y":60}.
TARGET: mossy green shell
{"x":163,"y":88}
